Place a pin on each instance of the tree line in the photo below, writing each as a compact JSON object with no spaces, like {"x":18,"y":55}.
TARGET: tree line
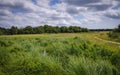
{"x":42,"y":29}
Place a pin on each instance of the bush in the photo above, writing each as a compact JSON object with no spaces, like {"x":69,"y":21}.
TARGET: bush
{"x":115,"y":59}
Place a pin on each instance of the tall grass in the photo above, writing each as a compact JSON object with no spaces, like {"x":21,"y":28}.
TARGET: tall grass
{"x":85,"y":66}
{"x":56,"y":56}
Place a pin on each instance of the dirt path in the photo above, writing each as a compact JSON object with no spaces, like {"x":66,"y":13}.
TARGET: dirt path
{"x":107,"y":41}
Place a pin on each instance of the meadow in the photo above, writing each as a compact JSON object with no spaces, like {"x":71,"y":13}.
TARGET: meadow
{"x":58,"y":54}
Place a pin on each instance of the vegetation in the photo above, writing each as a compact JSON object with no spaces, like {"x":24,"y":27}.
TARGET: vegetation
{"x":42,"y":29}
{"x":115,"y":34}
{"x":56,"y":55}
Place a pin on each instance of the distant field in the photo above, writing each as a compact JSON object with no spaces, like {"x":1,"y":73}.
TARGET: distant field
{"x":89,"y":36}
{"x":58,"y":54}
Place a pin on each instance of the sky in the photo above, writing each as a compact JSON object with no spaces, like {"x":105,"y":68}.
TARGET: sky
{"x":93,"y":14}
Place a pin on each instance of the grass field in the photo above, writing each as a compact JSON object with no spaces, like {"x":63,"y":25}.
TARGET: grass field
{"x":104,"y":35}
{"x":58,"y":54}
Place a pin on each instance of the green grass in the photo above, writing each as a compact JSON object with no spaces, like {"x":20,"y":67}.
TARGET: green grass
{"x":58,"y":54}
{"x":105,"y":35}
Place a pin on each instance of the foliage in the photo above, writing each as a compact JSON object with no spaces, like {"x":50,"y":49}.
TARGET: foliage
{"x":13,"y":30}
{"x":115,"y":34}
{"x":42,"y":29}
{"x":3,"y":31}
{"x":56,"y":56}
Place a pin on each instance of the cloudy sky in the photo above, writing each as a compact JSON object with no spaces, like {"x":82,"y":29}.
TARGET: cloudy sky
{"x":85,"y":13}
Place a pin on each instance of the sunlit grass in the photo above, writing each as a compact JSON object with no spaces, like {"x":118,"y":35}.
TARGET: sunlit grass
{"x":58,"y":54}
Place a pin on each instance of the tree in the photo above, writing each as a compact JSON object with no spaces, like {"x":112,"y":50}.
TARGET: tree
{"x":28,"y":30}
{"x":56,"y":29}
{"x":115,"y":33}
{"x":63,"y":29}
{"x":13,"y":30}
{"x":48,"y":29}
{"x":43,"y":29}
{"x":39,"y":30}
{"x":119,"y":26}
{"x":84,"y":30}
{"x":74,"y":29}
{"x":117,"y":29}
{"x":3,"y":31}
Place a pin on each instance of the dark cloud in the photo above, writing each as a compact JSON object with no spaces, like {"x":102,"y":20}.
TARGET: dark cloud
{"x":118,"y":0}
{"x":99,"y":7}
{"x":95,"y":5}
{"x":113,"y":16}
{"x":4,"y":12}
{"x":55,"y":18}
{"x":58,"y":17}
{"x":72,"y":10}
{"x":15,"y":5}
{"x":80,"y":2}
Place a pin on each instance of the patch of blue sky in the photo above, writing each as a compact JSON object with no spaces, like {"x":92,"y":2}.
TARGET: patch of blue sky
{"x":14,"y":11}
{"x":116,"y":7}
{"x":34,"y":1}
{"x":78,"y":17}
{"x":53,"y":2}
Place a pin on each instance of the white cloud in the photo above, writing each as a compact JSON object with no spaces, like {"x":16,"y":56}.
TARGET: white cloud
{"x":25,"y":12}
{"x":114,"y":14}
